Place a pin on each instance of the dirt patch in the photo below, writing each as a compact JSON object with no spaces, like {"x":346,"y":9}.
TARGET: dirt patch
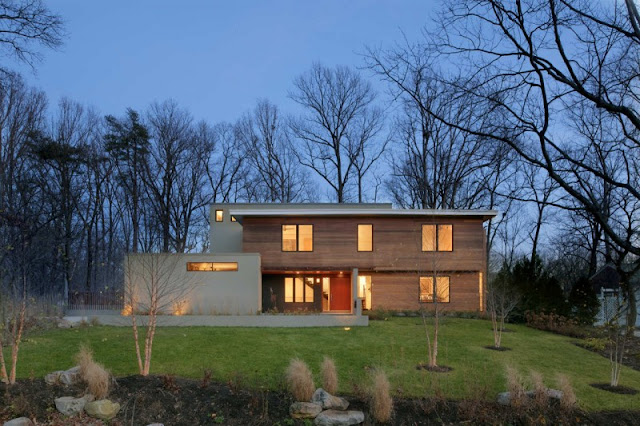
{"x":500,"y":349}
{"x":434,"y":369}
{"x":623,"y":390}
{"x":175,"y":401}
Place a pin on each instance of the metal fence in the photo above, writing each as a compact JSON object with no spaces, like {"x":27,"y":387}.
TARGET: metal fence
{"x":96,"y":300}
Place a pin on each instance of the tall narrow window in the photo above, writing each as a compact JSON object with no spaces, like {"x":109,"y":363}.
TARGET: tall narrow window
{"x":429,"y":238}
{"x":305,"y":237}
{"x":289,"y":237}
{"x":445,"y":237}
{"x":297,"y":237}
{"x":441,"y":289}
{"x":299,"y":297}
{"x":481,"y":291}
{"x":365,"y":237}
{"x":288,"y":289}
{"x":219,"y":216}
{"x":308,"y":290}
{"x":437,"y":237}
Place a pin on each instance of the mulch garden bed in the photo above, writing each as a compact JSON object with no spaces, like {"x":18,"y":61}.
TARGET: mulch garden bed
{"x":631,"y":356}
{"x":500,"y":349}
{"x":622,"y":390}
{"x":176,"y":401}
{"x":434,"y":369}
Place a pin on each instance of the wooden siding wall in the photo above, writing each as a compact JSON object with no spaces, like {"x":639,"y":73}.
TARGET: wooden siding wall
{"x":396,"y":244}
{"x":400,"y":291}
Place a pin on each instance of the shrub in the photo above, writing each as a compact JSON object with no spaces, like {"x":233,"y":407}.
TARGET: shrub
{"x":540,"y":397}
{"x":515,"y":388}
{"x":381,"y":401}
{"x":554,"y":323}
{"x":595,"y":344}
{"x":300,"y":380}
{"x":329,"y":375}
{"x":584,"y":302}
{"x":568,"y":400}
{"x":93,"y":374}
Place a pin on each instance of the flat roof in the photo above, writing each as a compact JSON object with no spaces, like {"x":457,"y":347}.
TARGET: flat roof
{"x":240,"y":213}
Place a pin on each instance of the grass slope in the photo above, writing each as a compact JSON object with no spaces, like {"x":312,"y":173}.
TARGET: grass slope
{"x":258,"y":357}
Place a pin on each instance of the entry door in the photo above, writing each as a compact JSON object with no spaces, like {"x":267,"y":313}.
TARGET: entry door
{"x":340,"y":294}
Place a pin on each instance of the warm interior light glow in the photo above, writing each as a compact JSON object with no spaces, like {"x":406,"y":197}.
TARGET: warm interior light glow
{"x":347,"y":328}
{"x":127,"y":311}
{"x":211,"y":266}
{"x":365,"y":237}
{"x":180,"y":308}
{"x":219,"y":215}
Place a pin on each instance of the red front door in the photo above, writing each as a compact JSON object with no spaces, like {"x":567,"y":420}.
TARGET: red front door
{"x":340,"y":294}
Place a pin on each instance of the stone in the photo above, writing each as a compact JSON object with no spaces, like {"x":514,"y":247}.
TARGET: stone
{"x":504,"y":398}
{"x":339,"y":418}
{"x":554,"y":394}
{"x":71,"y":376}
{"x":53,"y":378}
{"x":304,"y":410}
{"x":20,"y":421}
{"x":102,"y":409}
{"x":63,"y":323}
{"x":328,"y":401}
{"x":70,"y":406}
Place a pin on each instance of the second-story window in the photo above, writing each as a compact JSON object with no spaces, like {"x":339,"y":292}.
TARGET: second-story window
{"x":219,"y":215}
{"x":437,"y":237}
{"x":297,"y":237}
{"x":365,"y":237}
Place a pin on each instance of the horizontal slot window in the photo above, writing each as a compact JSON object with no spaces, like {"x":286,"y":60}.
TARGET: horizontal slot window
{"x":212,"y":266}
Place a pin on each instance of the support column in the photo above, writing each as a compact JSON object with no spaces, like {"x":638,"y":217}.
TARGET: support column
{"x":356,"y":306}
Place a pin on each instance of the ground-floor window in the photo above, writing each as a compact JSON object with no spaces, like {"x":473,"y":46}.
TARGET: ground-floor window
{"x":364,"y":290}
{"x":430,"y":286}
{"x":298,"y":289}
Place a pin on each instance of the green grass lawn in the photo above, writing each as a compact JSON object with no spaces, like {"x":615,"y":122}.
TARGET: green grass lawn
{"x":259,"y":356}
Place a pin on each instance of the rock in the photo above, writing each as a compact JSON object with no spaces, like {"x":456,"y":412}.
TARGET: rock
{"x":53,"y":378}
{"x":20,"y":421}
{"x":71,"y":376}
{"x":63,"y":323}
{"x":70,"y":406}
{"x":328,"y":401}
{"x":102,"y":409}
{"x":339,"y":418}
{"x":504,"y":398}
{"x":304,"y":410}
{"x":554,"y":394}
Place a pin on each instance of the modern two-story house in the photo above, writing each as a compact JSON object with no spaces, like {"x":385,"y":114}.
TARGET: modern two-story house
{"x":336,"y":258}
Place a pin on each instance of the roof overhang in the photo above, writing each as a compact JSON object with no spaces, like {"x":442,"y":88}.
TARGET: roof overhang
{"x":240,"y":214}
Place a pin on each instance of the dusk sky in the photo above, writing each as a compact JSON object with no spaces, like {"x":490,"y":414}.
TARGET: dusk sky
{"x":215,"y":58}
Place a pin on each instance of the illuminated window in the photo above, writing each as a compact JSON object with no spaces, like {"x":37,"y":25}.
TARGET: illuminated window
{"x":441,"y":288}
{"x":298,"y":289}
{"x":365,"y":237}
{"x":212,"y":266}
{"x":219,"y":215}
{"x":289,"y":237}
{"x":297,"y":237}
{"x":305,"y":234}
{"x":233,"y":219}
{"x":437,"y":237}
{"x":308,"y":290}
{"x":299,"y":294}
{"x":288,"y":289}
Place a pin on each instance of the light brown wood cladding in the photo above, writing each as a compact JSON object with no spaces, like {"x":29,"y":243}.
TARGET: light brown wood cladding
{"x":400,"y":291}
{"x":396,"y":244}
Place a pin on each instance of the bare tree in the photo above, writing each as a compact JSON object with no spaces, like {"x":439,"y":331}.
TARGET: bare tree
{"x":270,"y":153}
{"x":341,"y":124}
{"x":154,"y":285}
{"x":527,"y":66}
{"x":24,"y":24}
{"x":501,"y":300}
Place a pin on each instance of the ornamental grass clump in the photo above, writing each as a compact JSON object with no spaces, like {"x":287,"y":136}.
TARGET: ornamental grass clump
{"x":568,"y":401}
{"x":300,"y":380}
{"x":381,"y":401}
{"x":329,"y":375}
{"x":93,"y":374}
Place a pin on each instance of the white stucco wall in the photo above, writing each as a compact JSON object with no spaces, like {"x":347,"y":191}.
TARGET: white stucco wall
{"x":199,"y":292}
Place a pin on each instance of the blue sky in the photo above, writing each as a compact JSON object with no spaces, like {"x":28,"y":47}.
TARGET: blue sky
{"x":214,"y":57}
